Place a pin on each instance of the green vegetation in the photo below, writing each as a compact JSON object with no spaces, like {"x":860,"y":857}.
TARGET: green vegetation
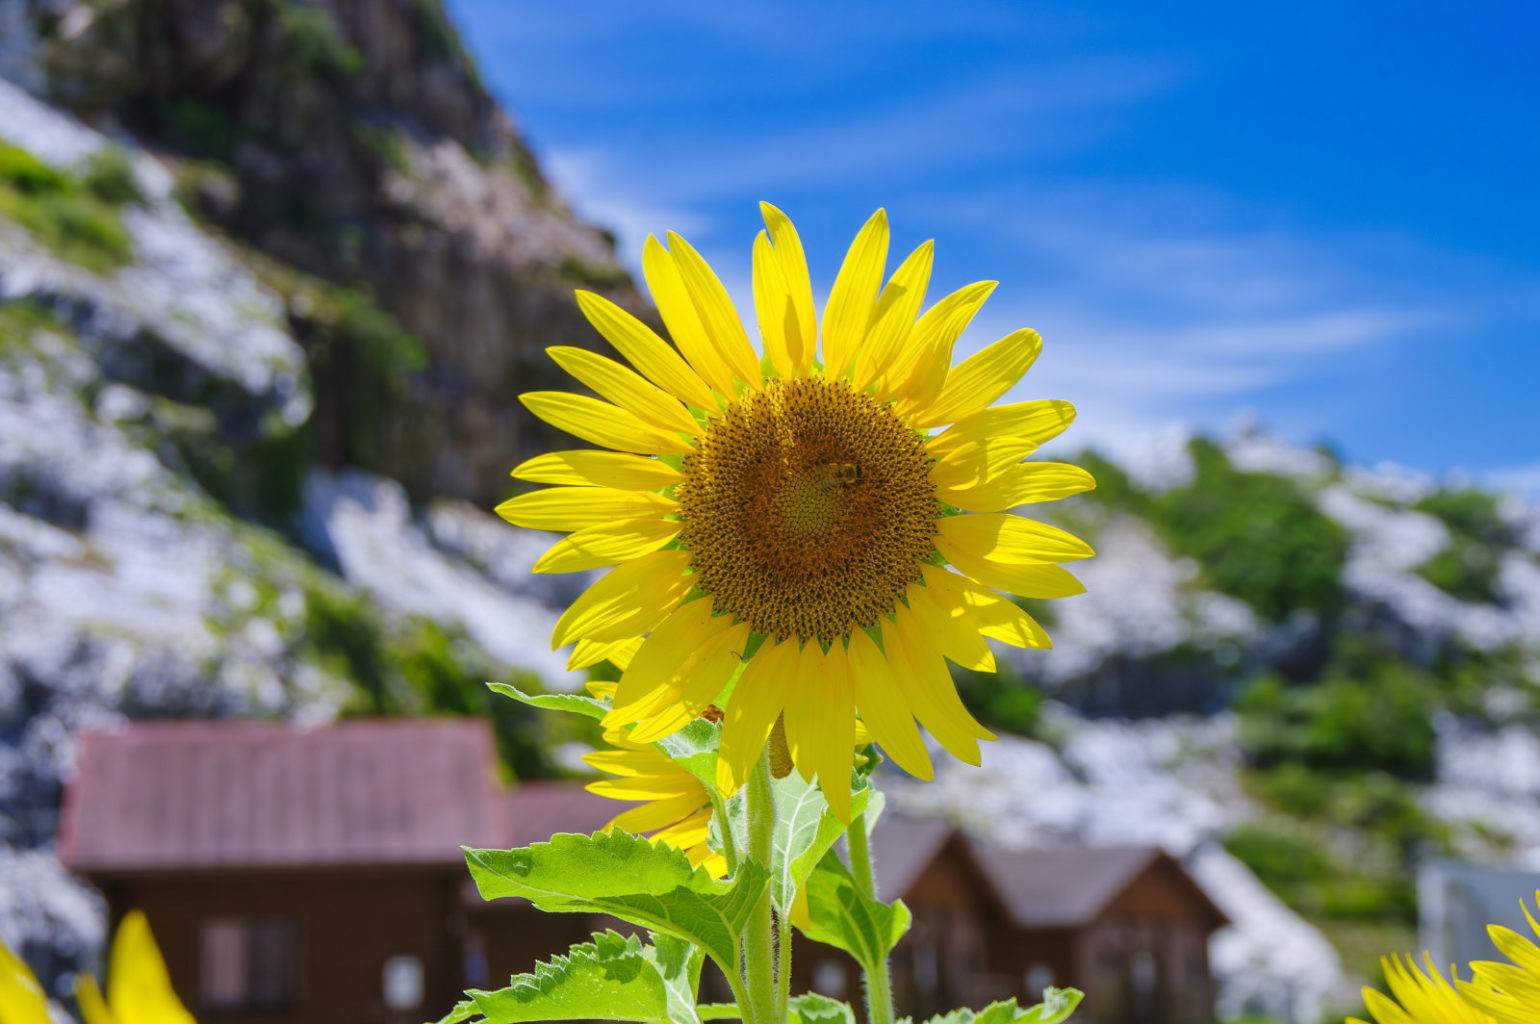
{"x":1467,"y":566}
{"x":198,"y":127}
{"x":591,"y":274}
{"x":109,"y":175}
{"x":415,"y":667}
{"x":1377,"y":721}
{"x":67,"y":214}
{"x":1254,"y":534}
{"x":317,"y":42}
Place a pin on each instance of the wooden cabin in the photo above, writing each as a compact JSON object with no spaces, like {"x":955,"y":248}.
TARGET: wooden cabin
{"x":314,"y":876}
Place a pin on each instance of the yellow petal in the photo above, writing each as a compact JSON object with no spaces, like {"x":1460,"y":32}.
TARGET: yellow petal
{"x":647,"y":787}
{"x":820,"y":724}
{"x":721,"y":321}
{"x":22,"y":1000}
{"x":573,"y":508}
{"x":1010,"y":539}
{"x":138,"y":987}
{"x":643,"y":349}
{"x":801,"y":344}
{"x":978,"y":462}
{"x":1019,"y":485}
{"x":93,"y":1008}
{"x":659,"y":814}
{"x":1033,"y":423}
{"x":757,"y":700}
{"x":690,"y":834}
{"x":923,"y":364}
{"x":635,"y":761}
{"x":599,"y":469}
{"x":630,"y":600}
{"x":694,"y":684}
{"x":626,"y":388}
{"x":978,"y":380}
{"x":893,"y":321}
{"x":654,"y":669}
{"x":992,"y":614}
{"x":681,"y":318}
{"x":1516,"y":948}
{"x":1045,"y":581}
{"x":853,"y":300}
{"x":883,"y":707}
{"x":597,"y":547}
{"x":586,"y":653}
{"x":777,"y":314}
{"x":955,"y":630}
{"x":602,"y":423}
{"x":921,"y":674}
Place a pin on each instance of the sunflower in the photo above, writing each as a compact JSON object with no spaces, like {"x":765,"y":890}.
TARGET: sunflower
{"x":1419,"y":997}
{"x":803,"y":519}
{"x":678,"y":811}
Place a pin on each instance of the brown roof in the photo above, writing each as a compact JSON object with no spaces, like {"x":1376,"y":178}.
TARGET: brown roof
{"x":539,"y":810}
{"x":1068,"y":887}
{"x":227,"y":794}
{"x":902,"y":848}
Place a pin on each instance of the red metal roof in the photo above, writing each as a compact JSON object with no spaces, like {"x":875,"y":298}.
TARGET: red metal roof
{"x":170,"y":796}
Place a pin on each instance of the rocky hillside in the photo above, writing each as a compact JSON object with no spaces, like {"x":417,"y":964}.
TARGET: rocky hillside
{"x":271,"y":273}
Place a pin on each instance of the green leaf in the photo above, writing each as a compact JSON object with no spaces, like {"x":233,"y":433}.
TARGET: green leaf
{"x":1057,"y":1005}
{"x":615,"y":977}
{"x":812,"y":1008}
{"x":574,"y":702}
{"x":694,"y":748}
{"x":840,"y":914}
{"x":624,"y":875}
{"x":805,"y":829}
{"x":464,"y":1010}
{"x":678,"y":963}
{"x":719,"y":1011}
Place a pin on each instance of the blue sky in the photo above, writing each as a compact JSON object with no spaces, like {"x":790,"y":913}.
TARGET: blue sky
{"x":1321,"y":215}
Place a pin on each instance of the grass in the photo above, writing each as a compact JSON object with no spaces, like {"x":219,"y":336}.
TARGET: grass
{"x":77,"y":218}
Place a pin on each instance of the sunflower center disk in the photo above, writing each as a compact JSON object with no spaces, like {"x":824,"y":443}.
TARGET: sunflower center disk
{"x":807,"y":509}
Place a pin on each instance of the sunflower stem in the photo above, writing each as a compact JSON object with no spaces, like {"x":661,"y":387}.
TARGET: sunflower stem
{"x":758,"y":957}
{"x":879,"y":987}
{"x":783,"y":964}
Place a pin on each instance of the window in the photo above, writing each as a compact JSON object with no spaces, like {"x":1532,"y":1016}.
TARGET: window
{"x":248,"y":963}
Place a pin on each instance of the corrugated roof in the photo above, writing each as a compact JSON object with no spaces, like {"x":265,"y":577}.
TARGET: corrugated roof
{"x":539,"y":810}
{"x":227,"y":794}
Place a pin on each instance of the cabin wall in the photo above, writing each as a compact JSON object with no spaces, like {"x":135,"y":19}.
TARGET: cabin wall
{"x":345,"y":926}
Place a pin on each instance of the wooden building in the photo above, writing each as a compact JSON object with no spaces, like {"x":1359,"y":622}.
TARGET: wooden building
{"x":302,"y":876}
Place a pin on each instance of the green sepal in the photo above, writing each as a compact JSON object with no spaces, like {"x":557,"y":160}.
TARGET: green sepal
{"x":840,"y":914}
{"x":614,"y":977}
{"x":812,"y":1008}
{"x":574,"y":702}
{"x":805,"y":829}
{"x":627,"y":876}
{"x":1057,"y":1005}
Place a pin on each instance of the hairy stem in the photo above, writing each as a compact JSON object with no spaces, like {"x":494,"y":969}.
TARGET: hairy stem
{"x":758,"y":957}
{"x":879,"y":987}
{"x":783,"y":966}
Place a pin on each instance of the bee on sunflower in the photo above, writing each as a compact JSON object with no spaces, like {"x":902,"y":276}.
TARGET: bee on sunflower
{"x":822,"y":525}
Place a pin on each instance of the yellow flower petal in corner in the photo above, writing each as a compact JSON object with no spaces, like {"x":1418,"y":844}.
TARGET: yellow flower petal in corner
{"x":630,"y":600}
{"x":883,"y":707}
{"x":643,"y":349}
{"x":606,"y":425}
{"x":573,"y":508}
{"x":893,"y":319}
{"x":979,"y":380}
{"x":1029,"y":423}
{"x":853,"y":300}
{"x":138,"y":987}
{"x":93,"y":1008}
{"x":587,"y":653}
{"x":586,"y":468}
{"x":992,"y":615}
{"x":22,"y":1000}
{"x":802,"y":344}
{"x":921,"y":367}
{"x":626,"y":388}
{"x":717,"y":314}
{"x":1021,"y":484}
{"x":597,"y":547}
{"x":1010,"y":539}
{"x":777,"y":315}
{"x":758,"y":699}
{"x":820,"y":725}
{"x":682,"y":319}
